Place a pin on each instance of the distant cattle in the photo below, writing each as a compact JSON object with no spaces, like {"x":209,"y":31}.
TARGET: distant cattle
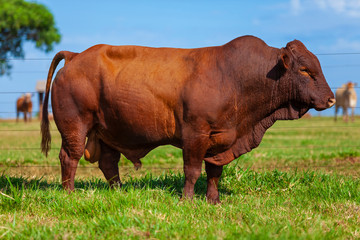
{"x":24,"y":105}
{"x":346,"y":98}
{"x":215,"y":103}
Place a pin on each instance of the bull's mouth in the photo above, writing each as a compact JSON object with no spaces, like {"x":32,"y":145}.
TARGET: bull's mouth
{"x":330,"y":102}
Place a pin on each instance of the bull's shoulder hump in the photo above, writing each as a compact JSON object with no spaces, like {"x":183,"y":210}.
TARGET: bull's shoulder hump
{"x":248,"y":40}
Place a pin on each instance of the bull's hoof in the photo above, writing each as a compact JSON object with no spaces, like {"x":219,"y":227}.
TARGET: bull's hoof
{"x":68,"y":189}
{"x":213,"y":201}
{"x":185,"y":199}
{"x":115,"y":185}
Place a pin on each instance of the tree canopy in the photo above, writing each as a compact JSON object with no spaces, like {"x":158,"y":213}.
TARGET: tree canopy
{"x":22,"y":21}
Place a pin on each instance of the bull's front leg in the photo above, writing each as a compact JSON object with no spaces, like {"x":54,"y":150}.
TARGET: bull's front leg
{"x":194,"y":150}
{"x":213,"y":175}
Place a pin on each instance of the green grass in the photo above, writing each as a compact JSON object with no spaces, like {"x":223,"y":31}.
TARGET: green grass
{"x":254,"y":205}
{"x":301,"y":183}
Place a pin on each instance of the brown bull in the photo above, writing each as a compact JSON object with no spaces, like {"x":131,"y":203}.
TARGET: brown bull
{"x":24,"y":105}
{"x":215,"y":103}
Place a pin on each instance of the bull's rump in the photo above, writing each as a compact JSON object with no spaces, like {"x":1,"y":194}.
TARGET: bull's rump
{"x":132,"y":95}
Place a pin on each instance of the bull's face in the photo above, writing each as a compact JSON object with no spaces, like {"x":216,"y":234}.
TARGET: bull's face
{"x":309,"y":88}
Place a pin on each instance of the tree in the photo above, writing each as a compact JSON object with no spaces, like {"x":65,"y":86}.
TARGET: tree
{"x":22,"y":21}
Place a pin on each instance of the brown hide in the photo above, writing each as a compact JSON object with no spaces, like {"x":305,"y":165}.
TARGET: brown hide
{"x":24,"y":105}
{"x":215,"y":102}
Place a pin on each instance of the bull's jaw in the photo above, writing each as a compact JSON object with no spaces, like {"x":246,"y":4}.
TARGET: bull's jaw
{"x":290,"y":112}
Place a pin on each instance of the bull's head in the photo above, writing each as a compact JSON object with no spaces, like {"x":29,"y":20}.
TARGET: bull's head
{"x":309,"y":88}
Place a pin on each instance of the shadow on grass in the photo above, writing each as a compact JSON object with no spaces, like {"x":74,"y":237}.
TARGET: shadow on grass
{"x":18,"y":182}
{"x":170,"y":182}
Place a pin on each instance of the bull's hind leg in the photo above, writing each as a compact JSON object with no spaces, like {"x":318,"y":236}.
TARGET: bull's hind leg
{"x":68,"y":169}
{"x":213,"y":175}
{"x":108,"y":164}
{"x":72,"y":148}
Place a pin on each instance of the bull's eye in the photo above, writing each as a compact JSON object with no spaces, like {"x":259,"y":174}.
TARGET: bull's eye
{"x":306,"y":71}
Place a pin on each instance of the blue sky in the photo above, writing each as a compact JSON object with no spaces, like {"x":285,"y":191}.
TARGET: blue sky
{"x":324,"y":26}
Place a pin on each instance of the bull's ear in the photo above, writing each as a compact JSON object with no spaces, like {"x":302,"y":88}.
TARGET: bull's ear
{"x":285,"y":59}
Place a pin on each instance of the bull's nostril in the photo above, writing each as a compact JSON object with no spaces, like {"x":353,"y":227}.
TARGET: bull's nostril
{"x":331,"y":102}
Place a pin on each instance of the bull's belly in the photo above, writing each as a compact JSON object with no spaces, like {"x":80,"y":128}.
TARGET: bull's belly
{"x":133,"y":148}
{"x":135,"y":137}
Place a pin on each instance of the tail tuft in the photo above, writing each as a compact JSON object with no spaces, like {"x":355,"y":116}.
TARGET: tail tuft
{"x":46,"y":137}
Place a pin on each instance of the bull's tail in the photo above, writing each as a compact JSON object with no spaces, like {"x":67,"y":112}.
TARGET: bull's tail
{"x":45,"y":129}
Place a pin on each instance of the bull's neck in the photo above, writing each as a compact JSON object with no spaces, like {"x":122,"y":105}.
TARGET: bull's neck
{"x":262,"y":89}
{"x":262,"y":94}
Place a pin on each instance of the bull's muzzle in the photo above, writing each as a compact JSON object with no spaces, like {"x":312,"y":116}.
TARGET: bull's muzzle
{"x":330,"y":102}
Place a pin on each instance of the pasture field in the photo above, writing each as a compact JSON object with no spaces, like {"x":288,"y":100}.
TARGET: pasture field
{"x":302,"y":182}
